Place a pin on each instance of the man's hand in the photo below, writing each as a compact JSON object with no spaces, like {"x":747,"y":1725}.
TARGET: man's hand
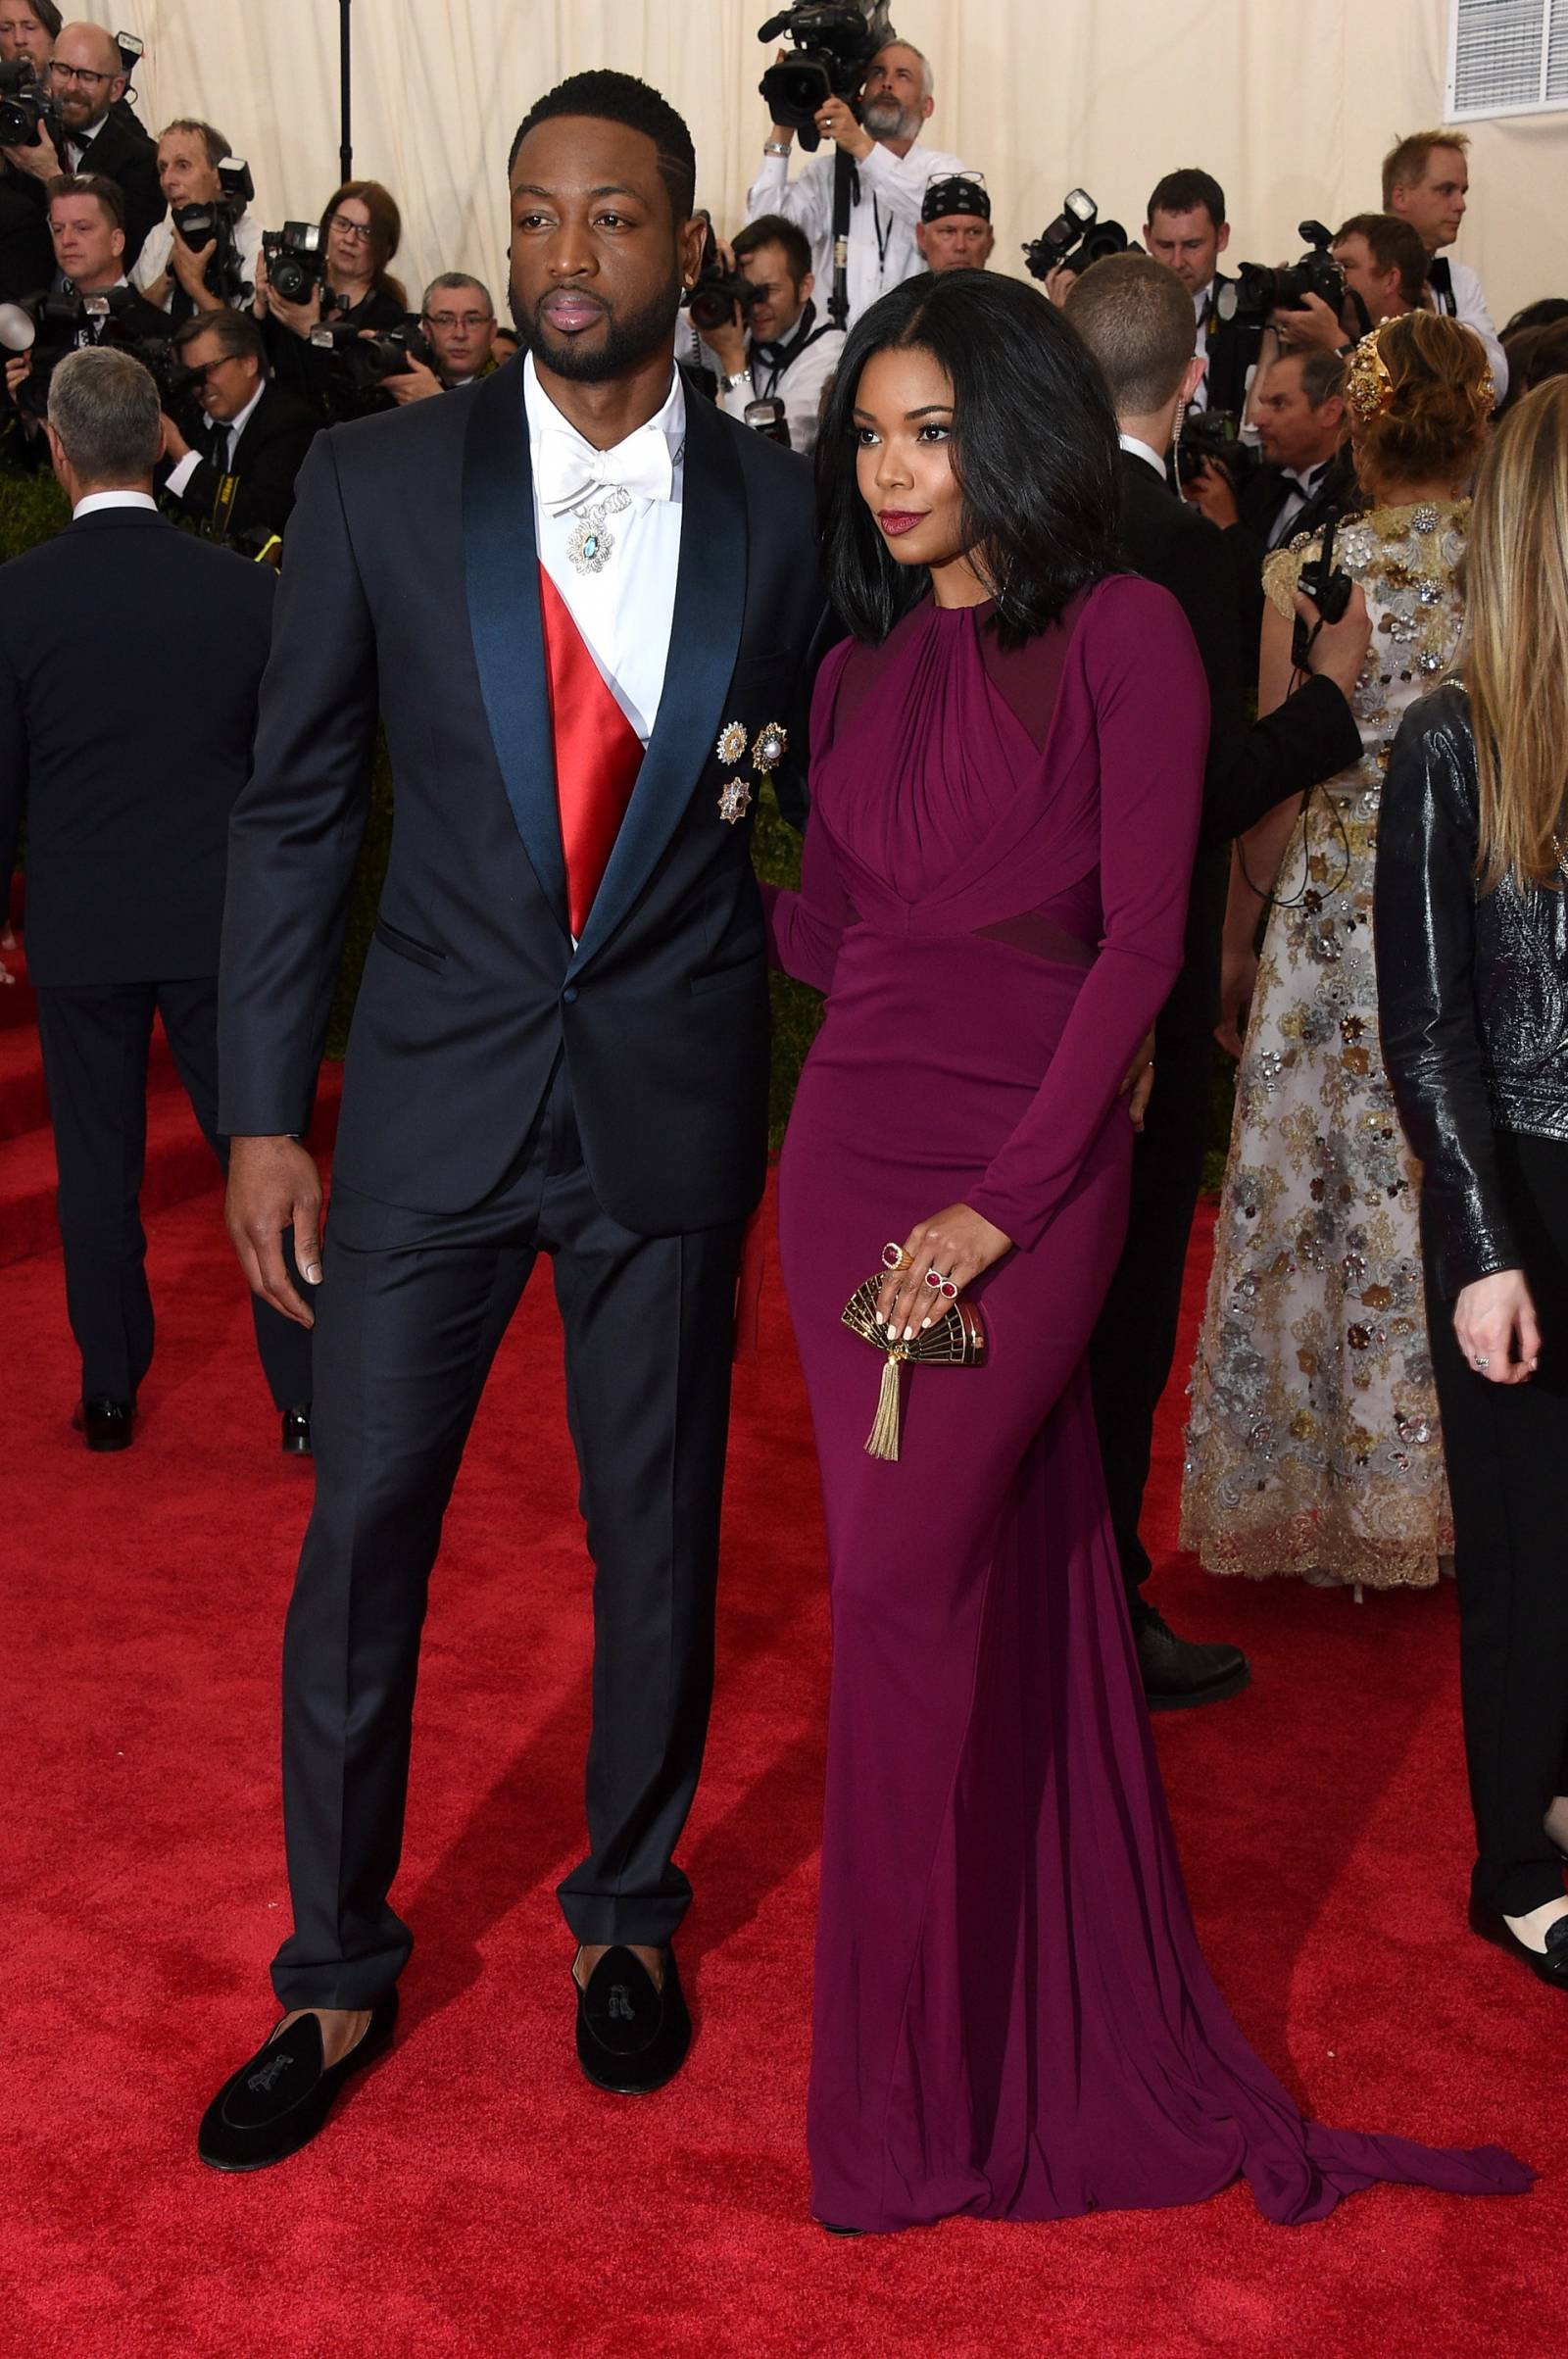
{"x":300,"y":318}
{"x":1490,"y":1315}
{"x":1238,"y":980}
{"x":1313,"y":322}
{"x":191,"y":271}
{"x":836,"y":121}
{"x":958,"y":1244}
{"x":7,"y":942}
{"x":17,"y":372}
{"x":176,"y":447}
{"x":1213,"y":490}
{"x":728,"y":344}
{"x":1339,"y":649}
{"x":40,"y":161}
{"x":273,"y":1184}
{"x":1059,"y":283}
{"x":416,"y":385}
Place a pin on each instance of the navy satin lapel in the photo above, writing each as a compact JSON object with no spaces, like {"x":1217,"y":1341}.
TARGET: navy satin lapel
{"x":501,"y":571}
{"x":705,"y":635}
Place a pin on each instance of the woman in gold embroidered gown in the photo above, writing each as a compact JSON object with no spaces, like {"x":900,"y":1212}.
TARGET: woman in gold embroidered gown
{"x":1313,"y":1447}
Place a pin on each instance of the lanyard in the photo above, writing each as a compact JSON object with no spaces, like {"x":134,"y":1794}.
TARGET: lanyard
{"x":883,"y":237}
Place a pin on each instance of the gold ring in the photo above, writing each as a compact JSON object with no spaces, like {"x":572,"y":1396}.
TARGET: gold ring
{"x":894,"y":1257}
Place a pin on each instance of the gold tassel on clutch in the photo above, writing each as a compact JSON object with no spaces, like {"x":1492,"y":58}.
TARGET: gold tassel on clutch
{"x":955,"y":1339}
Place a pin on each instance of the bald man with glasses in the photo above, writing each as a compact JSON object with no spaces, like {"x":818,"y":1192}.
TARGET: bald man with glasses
{"x":87,"y":81}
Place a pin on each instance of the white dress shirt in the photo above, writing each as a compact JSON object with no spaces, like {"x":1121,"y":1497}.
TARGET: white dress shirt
{"x":1470,"y":308}
{"x":153,"y":260}
{"x":96,"y":500}
{"x":180,"y":474}
{"x":625,"y":612}
{"x":882,"y":251}
{"x":1201,"y":302}
{"x":1147,"y":451}
{"x":799,"y":386}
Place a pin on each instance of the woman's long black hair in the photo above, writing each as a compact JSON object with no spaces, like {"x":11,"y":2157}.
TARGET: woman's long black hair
{"x":1034,"y":449}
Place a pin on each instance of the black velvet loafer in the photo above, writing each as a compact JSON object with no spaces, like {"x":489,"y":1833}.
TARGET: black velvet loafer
{"x":296,"y":1431}
{"x":1547,"y":1966}
{"x":1178,"y":1674}
{"x":632,"y":2037}
{"x":105,"y":1424}
{"x":275,"y":2103}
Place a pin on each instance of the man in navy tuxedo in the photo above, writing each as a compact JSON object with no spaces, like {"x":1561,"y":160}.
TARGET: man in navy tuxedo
{"x":585,"y":604}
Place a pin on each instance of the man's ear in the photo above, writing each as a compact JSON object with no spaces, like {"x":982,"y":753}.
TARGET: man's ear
{"x":1193,"y":376}
{"x":927,"y":109}
{"x":920,"y":237}
{"x":117,"y":238}
{"x":1224,"y":238}
{"x":809,"y":280}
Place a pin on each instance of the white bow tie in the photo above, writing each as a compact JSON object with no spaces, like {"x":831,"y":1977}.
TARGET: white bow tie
{"x":567,"y":470}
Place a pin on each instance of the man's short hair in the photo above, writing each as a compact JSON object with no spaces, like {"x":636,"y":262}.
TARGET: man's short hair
{"x":613,"y":97}
{"x":109,"y":193}
{"x":448,"y":282}
{"x":1322,"y":375}
{"x":928,"y":85}
{"x":772,"y":229}
{"x":1406,"y":160}
{"x":1393,"y":246}
{"x":1136,"y":319}
{"x":1189,"y":190}
{"x":239,"y":334}
{"x":49,"y":17}
{"x":210,"y":138}
{"x":105,"y":408}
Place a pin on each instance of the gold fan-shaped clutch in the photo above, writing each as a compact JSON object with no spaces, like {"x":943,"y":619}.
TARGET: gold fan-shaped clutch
{"x":955,"y":1339}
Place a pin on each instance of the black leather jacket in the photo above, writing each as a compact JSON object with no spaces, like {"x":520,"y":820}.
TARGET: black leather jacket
{"x":1472,"y":993}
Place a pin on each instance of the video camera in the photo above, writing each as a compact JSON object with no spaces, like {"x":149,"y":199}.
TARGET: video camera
{"x":361,"y":363}
{"x":296,"y":260}
{"x":1075,"y":239}
{"x":717,"y":296}
{"x":214,"y":226}
{"x":27,"y":111}
{"x":834,"y":45}
{"x":1256,"y":290}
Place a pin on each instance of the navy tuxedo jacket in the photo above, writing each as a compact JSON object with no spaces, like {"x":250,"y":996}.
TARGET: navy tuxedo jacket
{"x":410,"y":590}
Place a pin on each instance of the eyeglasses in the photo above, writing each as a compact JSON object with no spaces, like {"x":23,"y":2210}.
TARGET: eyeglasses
{"x":79,"y":74}
{"x":361,"y":231}
{"x":446,"y":320}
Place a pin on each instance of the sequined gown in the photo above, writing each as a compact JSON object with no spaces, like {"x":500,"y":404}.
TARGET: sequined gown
{"x":1312,"y":1444}
{"x":1012,"y":2014}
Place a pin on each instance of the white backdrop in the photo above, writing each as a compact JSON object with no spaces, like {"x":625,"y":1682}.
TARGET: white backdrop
{"x":1290,"y":106}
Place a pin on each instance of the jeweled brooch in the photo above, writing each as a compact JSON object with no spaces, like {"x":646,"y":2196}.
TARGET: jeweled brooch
{"x":773,"y":738}
{"x":731,"y":746}
{"x":735,"y":800}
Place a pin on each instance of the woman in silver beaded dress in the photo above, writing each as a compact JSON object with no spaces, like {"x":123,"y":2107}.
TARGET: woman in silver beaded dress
{"x":1313,"y":1447}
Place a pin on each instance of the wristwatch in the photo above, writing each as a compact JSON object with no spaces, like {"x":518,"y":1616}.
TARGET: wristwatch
{"x":742,"y":376}
{"x":775,"y":147}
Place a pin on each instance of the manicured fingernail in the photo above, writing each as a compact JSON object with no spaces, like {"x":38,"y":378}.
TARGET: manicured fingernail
{"x":909,"y":1335}
{"x":925,"y":1323}
{"x":312,"y":1271}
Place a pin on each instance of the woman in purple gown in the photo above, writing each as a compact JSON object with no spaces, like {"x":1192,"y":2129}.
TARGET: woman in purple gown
{"x":1012,"y":2017}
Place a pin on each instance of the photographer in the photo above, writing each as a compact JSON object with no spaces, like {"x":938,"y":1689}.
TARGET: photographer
{"x":784,"y":351}
{"x":181,"y":279}
{"x":351,"y":285}
{"x":1187,"y":230}
{"x":459,"y":324}
{"x":1298,"y":409}
{"x":1425,"y":182}
{"x":238,"y":474}
{"x":86,"y":225}
{"x":28,"y":29}
{"x":954,"y":231}
{"x":892,"y":169}
{"x":1138,"y":325}
{"x":1384,"y":265}
{"x":87,"y":81}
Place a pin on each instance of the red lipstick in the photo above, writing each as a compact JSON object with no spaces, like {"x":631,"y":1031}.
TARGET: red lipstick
{"x":895,"y":521}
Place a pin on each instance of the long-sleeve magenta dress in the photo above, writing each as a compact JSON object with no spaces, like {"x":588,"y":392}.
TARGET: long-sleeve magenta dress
{"x":1012,"y":2017}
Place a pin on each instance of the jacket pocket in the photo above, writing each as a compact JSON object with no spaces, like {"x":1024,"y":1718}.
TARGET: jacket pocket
{"x":393,"y":937}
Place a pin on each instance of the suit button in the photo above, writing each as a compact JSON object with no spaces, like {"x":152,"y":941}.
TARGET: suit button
{"x":570,"y":994}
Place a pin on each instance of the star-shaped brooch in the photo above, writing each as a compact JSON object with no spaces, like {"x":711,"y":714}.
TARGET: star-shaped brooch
{"x":735,"y":800}
{"x":731,"y":746}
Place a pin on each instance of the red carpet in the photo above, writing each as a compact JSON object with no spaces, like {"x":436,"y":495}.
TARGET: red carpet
{"x":475,"y":2196}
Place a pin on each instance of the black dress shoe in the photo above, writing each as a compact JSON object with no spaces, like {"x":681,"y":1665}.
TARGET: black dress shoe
{"x":297,"y":1432}
{"x":105,"y":1424}
{"x":1178,"y":1673}
{"x":276,"y":2102}
{"x":1547,"y":1966}
{"x":632,"y":2036}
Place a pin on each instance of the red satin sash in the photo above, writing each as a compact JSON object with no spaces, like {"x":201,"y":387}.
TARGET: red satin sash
{"x":598,"y":755}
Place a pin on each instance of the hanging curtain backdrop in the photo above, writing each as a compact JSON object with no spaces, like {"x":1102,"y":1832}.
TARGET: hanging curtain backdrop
{"x":1290,"y":107}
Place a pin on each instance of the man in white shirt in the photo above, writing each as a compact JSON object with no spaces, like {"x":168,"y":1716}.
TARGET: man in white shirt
{"x":171,"y":274}
{"x":786,"y":351}
{"x":892,"y":168}
{"x":1425,"y":182}
{"x":1186,"y":229}
{"x":458,"y":319}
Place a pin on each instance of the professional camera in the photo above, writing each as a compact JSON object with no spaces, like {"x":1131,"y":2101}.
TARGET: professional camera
{"x":834,"y":45}
{"x":296,"y":260}
{"x":361,"y":363}
{"x":1208,"y":438}
{"x":765,"y":416}
{"x":213,"y":224}
{"x":49,"y":325}
{"x":27,"y":113}
{"x":717,"y":296}
{"x":1256,"y":290}
{"x":1076,"y":238}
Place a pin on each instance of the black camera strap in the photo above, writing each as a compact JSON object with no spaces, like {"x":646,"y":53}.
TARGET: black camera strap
{"x":781,"y":355}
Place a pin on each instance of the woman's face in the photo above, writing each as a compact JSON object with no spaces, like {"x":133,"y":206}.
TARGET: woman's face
{"x":904,"y":457}
{"x":348,"y":243}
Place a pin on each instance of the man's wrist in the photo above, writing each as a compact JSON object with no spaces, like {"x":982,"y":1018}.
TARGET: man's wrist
{"x":779,"y":141}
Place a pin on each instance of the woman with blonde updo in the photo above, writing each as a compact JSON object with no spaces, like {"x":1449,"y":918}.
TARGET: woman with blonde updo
{"x":1313,"y":1445}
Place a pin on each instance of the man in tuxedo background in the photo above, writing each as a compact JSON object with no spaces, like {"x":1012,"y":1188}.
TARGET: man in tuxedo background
{"x":1187,"y":230}
{"x":586,"y":604}
{"x":256,"y":437}
{"x":1136,"y":319}
{"x":127,"y":797}
{"x":87,"y":81}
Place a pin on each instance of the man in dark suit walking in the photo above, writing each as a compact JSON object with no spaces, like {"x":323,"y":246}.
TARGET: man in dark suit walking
{"x":1136,"y":319}
{"x":127,"y":794}
{"x":585,"y":603}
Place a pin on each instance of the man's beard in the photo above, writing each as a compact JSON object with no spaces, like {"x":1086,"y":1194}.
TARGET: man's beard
{"x":885,"y":119}
{"x":631,"y":336}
